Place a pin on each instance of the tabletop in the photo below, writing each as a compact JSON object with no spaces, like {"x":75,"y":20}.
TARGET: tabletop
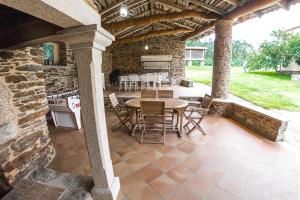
{"x":170,"y":103}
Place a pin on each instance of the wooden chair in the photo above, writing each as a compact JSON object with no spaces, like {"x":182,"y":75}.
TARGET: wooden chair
{"x":121,"y":112}
{"x":165,"y":94}
{"x":195,"y":115}
{"x":169,"y":113}
{"x":150,"y":93}
{"x":153,"y":118}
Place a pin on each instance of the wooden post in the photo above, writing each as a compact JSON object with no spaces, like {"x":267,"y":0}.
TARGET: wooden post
{"x":222,"y":59}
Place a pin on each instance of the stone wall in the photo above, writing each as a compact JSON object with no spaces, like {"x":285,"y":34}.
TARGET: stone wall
{"x":106,"y":65}
{"x":127,"y":57}
{"x":60,"y":79}
{"x":267,"y":126}
{"x":25,"y":142}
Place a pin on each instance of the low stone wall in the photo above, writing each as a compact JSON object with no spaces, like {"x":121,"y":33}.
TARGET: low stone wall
{"x":127,"y":57}
{"x":267,"y":126}
{"x":25,"y":142}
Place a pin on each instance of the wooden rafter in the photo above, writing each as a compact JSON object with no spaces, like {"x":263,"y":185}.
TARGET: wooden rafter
{"x":169,"y":4}
{"x":247,"y":8}
{"x":158,"y":18}
{"x":132,"y":9}
{"x":177,"y":7}
{"x":200,"y":31}
{"x":233,"y":2}
{"x":116,"y":10}
{"x":152,"y":34}
{"x":207,"y":6}
{"x":111,"y":7}
{"x":178,"y":23}
{"x":132,"y":31}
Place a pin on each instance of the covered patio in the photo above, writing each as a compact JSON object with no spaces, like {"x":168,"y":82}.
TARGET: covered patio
{"x":230,"y":162}
{"x":238,"y":158}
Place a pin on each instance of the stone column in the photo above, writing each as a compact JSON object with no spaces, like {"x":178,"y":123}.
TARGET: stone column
{"x":88,"y":42}
{"x":222,"y":59}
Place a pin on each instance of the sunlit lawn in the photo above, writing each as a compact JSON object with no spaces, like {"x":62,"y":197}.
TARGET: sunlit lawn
{"x":266,"y":89}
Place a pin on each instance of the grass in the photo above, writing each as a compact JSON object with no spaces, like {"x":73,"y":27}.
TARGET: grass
{"x":269,"y":90}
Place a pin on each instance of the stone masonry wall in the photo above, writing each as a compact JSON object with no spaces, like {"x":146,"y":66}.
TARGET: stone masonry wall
{"x":127,"y":57}
{"x":263,"y":124}
{"x":106,"y":65}
{"x":25,"y":142}
{"x":60,"y":79}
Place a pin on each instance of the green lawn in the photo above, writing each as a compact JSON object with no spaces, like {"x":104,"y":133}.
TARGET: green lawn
{"x":266,"y":89}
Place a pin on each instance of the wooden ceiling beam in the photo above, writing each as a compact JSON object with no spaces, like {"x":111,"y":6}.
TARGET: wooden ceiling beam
{"x":158,"y":18}
{"x":151,"y":34}
{"x":249,"y":7}
{"x":207,"y":6}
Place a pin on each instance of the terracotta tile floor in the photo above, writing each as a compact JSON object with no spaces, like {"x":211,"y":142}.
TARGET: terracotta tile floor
{"x":229,"y":163}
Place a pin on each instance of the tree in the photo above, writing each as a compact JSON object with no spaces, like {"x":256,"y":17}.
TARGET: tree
{"x":277,"y":53}
{"x":240,"y":50}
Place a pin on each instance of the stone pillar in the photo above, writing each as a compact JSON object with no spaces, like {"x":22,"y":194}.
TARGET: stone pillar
{"x":222,"y":59}
{"x":88,"y":42}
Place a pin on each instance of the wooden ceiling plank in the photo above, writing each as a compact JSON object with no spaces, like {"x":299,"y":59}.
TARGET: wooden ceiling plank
{"x":207,"y":6}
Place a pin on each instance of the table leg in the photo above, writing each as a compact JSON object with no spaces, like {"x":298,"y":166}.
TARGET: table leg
{"x":132,"y":113}
{"x":179,"y":122}
{"x":180,"y":114}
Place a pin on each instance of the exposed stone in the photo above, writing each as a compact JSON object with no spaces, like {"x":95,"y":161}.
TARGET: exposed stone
{"x":127,"y":57}
{"x":36,"y":52}
{"x":5,"y":54}
{"x":23,"y":99}
{"x":32,"y":116}
{"x":222,"y":58}
{"x":23,"y":94}
{"x":8,"y":132}
{"x":15,"y":78}
{"x":31,"y":68}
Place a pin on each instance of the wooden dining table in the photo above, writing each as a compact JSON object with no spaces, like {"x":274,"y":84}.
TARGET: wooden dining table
{"x":177,"y":105}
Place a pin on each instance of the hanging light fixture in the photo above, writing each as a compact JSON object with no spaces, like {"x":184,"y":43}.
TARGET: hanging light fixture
{"x":123,"y":10}
{"x":146,"y":47}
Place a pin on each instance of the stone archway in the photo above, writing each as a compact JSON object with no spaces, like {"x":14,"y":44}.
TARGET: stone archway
{"x":8,"y":126}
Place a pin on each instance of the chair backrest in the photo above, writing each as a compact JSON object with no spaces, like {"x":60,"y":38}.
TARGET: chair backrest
{"x":148,"y":93}
{"x":153,"y":108}
{"x":206,"y":101}
{"x":123,"y":78}
{"x":113,"y":100}
{"x":165,"y":94}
